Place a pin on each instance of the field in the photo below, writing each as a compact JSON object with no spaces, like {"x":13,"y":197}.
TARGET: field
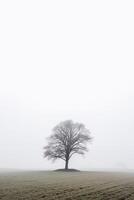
{"x":66,"y":185}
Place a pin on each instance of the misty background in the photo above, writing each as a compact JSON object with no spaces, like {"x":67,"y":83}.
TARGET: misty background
{"x":63,"y":60}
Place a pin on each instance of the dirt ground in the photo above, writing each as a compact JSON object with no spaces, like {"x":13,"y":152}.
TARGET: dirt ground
{"x":66,"y":185}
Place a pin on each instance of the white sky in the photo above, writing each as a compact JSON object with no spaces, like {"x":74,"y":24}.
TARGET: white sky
{"x":66,"y":60}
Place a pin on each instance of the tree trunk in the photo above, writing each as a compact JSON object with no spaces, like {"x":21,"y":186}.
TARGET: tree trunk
{"x":66,"y":164}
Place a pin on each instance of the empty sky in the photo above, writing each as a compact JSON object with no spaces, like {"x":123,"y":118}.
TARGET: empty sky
{"x":66,"y":60}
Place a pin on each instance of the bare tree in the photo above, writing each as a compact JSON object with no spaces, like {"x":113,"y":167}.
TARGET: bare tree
{"x":68,"y":138}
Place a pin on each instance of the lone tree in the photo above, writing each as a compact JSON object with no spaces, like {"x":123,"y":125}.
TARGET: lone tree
{"x":68,"y":138}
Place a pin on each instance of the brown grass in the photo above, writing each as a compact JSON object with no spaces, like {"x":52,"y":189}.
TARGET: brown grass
{"x":69,"y":186}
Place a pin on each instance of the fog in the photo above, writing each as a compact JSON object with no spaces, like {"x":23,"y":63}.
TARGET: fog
{"x":63,"y":60}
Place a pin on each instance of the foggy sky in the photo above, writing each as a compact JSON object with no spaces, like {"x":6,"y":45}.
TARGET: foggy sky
{"x":63,"y":60}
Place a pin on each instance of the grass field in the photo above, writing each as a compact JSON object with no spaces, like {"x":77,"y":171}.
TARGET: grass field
{"x":66,"y":185}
